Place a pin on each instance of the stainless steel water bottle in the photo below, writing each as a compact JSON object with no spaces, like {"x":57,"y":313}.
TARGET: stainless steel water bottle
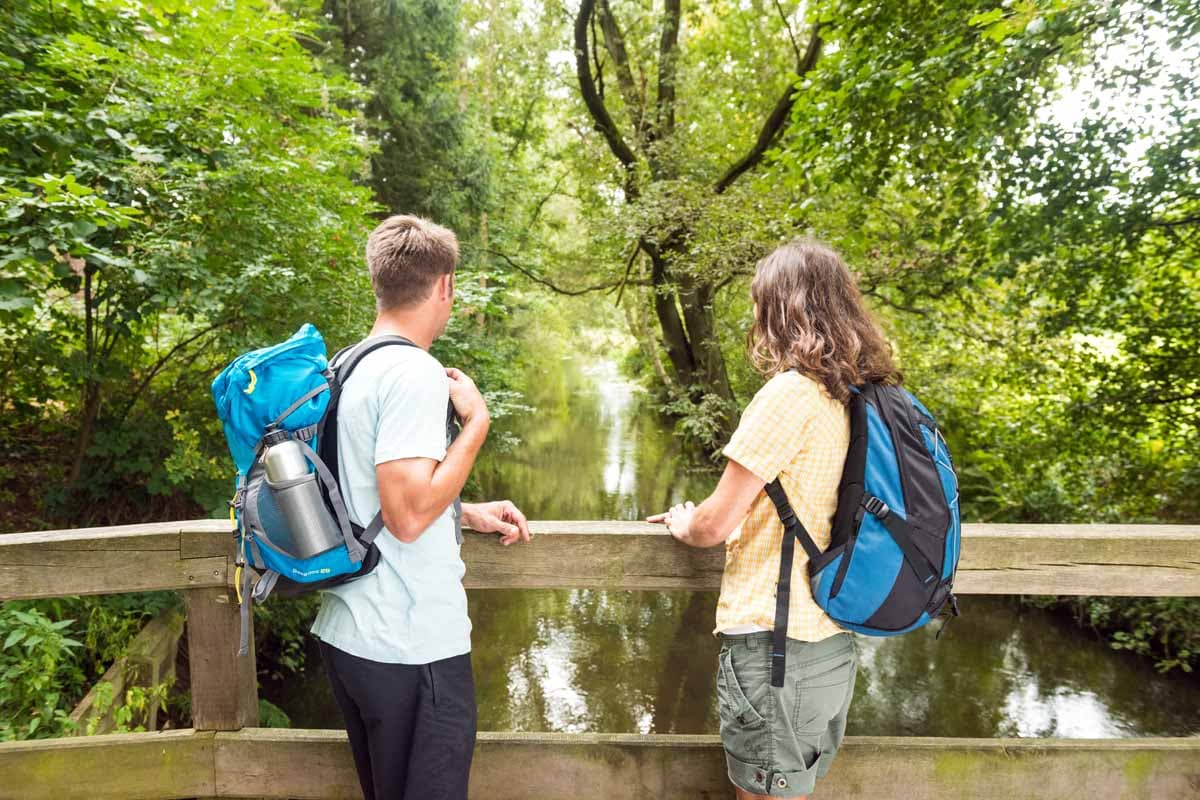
{"x":298,"y":495}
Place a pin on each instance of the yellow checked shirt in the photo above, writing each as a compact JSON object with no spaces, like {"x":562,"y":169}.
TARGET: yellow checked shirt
{"x":792,"y":429}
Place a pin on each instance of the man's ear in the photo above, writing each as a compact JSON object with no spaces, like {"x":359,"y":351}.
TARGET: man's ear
{"x":445,"y":286}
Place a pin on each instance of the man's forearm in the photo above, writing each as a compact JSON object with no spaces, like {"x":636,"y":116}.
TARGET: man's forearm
{"x":450,"y":475}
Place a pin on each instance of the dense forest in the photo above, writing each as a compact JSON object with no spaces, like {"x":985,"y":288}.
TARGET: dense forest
{"x":1016,"y":184}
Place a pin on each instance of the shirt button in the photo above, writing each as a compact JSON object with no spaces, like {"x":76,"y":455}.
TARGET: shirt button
{"x":781,"y":782}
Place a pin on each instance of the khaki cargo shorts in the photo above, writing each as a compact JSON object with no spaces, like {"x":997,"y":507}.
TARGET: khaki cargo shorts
{"x":779,"y":741}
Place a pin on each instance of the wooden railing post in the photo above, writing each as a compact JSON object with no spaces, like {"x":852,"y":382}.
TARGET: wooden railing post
{"x":224,"y":684}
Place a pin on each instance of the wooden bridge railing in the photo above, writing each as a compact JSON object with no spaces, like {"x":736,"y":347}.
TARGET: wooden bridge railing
{"x":226,"y":756}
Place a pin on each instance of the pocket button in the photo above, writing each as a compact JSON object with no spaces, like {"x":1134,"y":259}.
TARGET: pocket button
{"x":781,"y":782}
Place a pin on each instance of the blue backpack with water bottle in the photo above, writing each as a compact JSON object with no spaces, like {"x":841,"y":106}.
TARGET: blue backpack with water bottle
{"x":896,"y":534}
{"x":289,"y":393}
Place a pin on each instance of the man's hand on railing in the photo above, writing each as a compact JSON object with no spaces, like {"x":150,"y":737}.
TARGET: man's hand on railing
{"x":498,"y":516}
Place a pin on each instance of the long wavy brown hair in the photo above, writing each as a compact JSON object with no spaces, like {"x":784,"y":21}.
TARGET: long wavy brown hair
{"x":809,"y":316}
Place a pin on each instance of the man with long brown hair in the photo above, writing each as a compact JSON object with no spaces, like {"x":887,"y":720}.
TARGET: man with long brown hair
{"x":812,"y":339}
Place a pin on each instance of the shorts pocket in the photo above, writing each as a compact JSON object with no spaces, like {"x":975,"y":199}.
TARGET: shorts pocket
{"x":821,"y":690}
{"x":745,"y":733}
{"x":735,"y":705}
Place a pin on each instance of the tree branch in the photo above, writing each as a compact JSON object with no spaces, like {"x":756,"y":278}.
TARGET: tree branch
{"x":596,"y":59}
{"x":162,"y":362}
{"x":791,"y":35}
{"x":637,"y":246}
{"x":519,"y":139}
{"x":587,"y":87}
{"x":614,"y":42}
{"x":887,"y":301}
{"x":533,"y":276}
{"x":777,"y":121}
{"x":1169,"y":399}
{"x":646,"y":337}
{"x":537,"y":209}
{"x":668,"y":55}
{"x":1171,"y":223}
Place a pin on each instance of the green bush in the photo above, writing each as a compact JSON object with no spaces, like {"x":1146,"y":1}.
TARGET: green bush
{"x":39,"y":669}
{"x":1166,"y":629}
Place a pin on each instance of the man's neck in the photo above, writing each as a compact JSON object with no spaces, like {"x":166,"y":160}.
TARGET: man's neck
{"x":412,"y":324}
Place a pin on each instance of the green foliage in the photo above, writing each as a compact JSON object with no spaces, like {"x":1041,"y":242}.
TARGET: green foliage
{"x":109,"y":622}
{"x":177,"y":182}
{"x":272,"y":716}
{"x":134,"y":709}
{"x":52,"y":651}
{"x":406,"y":53}
{"x":701,"y":420}
{"x":1061,"y":346}
{"x":280,"y":635}
{"x":38,"y":665}
{"x":1163,"y":629}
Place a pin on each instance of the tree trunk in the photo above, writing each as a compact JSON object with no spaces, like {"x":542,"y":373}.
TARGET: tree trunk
{"x":87,"y":424}
{"x":90,"y":398}
{"x":679,"y":350}
{"x":696,"y":300}
{"x":691,"y":341}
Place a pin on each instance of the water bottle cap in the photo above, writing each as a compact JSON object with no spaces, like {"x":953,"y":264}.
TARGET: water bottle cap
{"x":274,"y":437}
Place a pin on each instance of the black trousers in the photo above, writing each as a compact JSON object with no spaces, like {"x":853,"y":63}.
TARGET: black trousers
{"x":411,"y":726}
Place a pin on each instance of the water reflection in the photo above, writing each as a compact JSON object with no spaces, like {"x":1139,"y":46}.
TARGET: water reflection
{"x":594,"y":448}
{"x":643,"y":662}
{"x":585,"y":660}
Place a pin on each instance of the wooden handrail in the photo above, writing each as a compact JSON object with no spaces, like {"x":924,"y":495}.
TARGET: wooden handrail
{"x":1117,"y":560}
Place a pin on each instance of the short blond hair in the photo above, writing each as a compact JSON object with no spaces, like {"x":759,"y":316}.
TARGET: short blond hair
{"x":405,"y":256}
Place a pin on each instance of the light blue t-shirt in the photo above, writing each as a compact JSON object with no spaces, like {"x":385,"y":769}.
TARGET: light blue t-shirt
{"x":412,"y":609}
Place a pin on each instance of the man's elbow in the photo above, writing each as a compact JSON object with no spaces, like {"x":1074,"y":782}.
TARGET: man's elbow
{"x":403,"y":525}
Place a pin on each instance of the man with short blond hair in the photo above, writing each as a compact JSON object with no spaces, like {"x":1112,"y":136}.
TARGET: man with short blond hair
{"x":405,"y":254}
{"x":397,"y":641}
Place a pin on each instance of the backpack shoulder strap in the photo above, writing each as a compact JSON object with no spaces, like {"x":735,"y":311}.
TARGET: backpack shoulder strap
{"x":793,"y":529}
{"x":346,"y":359}
{"x":340,"y":369}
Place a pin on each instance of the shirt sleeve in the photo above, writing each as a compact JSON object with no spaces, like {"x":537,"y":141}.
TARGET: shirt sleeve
{"x":412,"y":411}
{"x":773,"y":427}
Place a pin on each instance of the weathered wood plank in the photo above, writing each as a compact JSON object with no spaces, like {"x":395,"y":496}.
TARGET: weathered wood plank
{"x":1137,"y":560}
{"x":123,"y":766}
{"x":514,"y":766}
{"x":1114,"y":560}
{"x":1134,"y":560}
{"x":126,"y":558}
{"x":612,"y":555}
{"x":149,"y":660}
{"x":224,"y":685}
{"x":317,"y":764}
{"x":207,"y":537}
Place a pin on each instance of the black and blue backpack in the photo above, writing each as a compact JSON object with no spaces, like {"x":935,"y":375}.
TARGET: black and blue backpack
{"x":896,"y":534}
